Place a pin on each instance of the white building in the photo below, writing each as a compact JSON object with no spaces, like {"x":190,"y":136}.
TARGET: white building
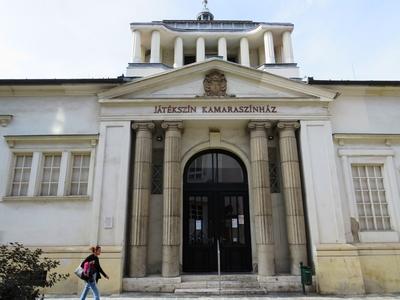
{"x":209,"y":137}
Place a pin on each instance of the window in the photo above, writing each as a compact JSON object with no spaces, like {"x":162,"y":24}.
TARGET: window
{"x":80,"y":174}
{"x":50,"y":167}
{"x":21,"y":174}
{"x":370,"y":179}
{"x":370,"y":197}
{"x":50,"y":175}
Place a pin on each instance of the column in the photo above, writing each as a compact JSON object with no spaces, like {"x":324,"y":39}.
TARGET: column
{"x":155,"y":47}
{"x":222,"y":50}
{"x":269,"y":48}
{"x":200,"y":49}
{"x":291,"y":183}
{"x":141,"y":198}
{"x":172,"y":199}
{"x":262,"y":197}
{"x":287,"y":50}
{"x":137,"y":47}
{"x":244,"y":52}
{"x":178,"y":52}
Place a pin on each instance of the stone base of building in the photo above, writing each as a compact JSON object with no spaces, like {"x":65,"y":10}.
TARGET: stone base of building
{"x":341,"y":269}
{"x":358,"y":269}
{"x":70,"y":257}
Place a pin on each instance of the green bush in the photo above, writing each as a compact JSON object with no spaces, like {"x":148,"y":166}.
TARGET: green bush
{"x":23,"y":272}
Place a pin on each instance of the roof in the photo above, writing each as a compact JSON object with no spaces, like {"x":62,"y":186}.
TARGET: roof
{"x":214,"y":25}
{"x":313,"y":81}
{"x":64,"y":81}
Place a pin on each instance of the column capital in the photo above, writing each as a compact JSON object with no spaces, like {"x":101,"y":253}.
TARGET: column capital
{"x":288,"y":125}
{"x":172,"y":125}
{"x":147,"y":126}
{"x":257,"y":125}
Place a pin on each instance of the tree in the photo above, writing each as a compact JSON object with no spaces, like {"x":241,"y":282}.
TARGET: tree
{"x":23,"y":272}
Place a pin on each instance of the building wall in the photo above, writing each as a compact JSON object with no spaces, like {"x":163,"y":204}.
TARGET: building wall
{"x":48,"y":219}
{"x":365,"y":124}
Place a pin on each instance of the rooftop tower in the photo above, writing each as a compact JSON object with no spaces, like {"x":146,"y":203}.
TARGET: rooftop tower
{"x":169,"y":44}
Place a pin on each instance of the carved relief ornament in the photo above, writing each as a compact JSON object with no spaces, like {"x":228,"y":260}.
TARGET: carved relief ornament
{"x":215,"y":84}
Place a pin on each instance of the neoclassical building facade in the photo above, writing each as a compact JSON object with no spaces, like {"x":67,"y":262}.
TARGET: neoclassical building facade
{"x":209,"y":144}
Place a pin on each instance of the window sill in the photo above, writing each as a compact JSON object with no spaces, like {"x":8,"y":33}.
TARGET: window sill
{"x":46,"y":198}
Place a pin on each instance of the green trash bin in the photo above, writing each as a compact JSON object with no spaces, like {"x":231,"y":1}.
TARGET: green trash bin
{"x":306,"y":276}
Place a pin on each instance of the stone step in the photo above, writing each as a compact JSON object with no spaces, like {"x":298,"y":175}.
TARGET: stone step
{"x":215,"y":284}
{"x":214,"y":277}
{"x":215,"y":291}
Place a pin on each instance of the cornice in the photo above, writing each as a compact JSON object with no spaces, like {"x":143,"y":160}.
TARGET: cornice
{"x":54,"y":89}
{"x":5,"y":120}
{"x":224,"y":66}
{"x":342,"y":138}
{"x":12,"y":140}
{"x":214,"y":100}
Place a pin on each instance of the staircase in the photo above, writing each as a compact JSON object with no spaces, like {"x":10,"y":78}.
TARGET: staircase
{"x":230,"y":285}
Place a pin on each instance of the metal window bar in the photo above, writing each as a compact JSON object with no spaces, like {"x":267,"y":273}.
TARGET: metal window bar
{"x":370,"y":221}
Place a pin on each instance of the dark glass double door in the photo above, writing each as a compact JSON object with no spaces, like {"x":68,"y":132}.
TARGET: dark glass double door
{"x":215,"y":215}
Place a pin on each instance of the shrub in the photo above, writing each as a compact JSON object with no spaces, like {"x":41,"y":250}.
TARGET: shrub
{"x":23,"y":272}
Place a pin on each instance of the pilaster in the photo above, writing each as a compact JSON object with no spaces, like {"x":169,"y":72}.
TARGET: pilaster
{"x":244,"y":52}
{"x":200,"y":49}
{"x":222,"y":49}
{"x":172,"y":198}
{"x":137,"y":47}
{"x":269,"y":48}
{"x":155,"y":47}
{"x":178,"y":52}
{"x":262,"y":197}
{"x":292,"y":194}
{"x":141,"y":198}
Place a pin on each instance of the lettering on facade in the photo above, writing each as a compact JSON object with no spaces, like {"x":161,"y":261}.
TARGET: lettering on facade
{"x":213,"y":109}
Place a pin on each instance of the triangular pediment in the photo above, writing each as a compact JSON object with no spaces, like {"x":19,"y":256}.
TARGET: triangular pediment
{"x":241,"y":82}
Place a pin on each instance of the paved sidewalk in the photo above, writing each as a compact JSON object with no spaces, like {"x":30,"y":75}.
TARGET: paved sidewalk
{"x":135,"y":296}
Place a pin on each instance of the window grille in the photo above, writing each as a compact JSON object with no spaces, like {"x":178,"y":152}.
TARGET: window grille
{"x":370,"y":196}
{"x":22,"y":172}
{"x":157,"y":171}
{"x":80,"y":174}
{"x":51,"y":174}
{"x":273,"y":170}
{"x":157,"y":179}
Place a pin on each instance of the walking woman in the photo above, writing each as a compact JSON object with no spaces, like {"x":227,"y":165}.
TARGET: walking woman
{"x":92,"y":263}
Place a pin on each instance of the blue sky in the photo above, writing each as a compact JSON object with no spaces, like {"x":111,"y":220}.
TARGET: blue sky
{"x":332,"y":39}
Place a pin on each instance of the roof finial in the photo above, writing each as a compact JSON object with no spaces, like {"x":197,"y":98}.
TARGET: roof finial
{"x":205,"y":15}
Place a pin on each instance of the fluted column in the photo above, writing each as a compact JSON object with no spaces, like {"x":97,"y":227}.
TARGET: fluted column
{"x":171,"y":198}
{"x":262,"y":197}
{"x":137,"y":47}
{"x":244,"y":52}
{"x":155,"y":47}
{"x":292,"y":194}
{"x":222,"y":50}
{"x":141,"y":198}
{"x":178,"y":52}
{"x":269,"y":48}
{"x":287,"y":49}
{"x":200,"y":49}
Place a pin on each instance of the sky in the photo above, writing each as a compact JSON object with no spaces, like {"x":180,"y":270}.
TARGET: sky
{"x":332,"y":39}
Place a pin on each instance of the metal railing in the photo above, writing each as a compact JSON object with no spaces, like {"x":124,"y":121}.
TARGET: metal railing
{"x":219,"y":267}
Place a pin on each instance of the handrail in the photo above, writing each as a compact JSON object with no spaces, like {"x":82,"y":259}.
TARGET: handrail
{"x":219,"y":267}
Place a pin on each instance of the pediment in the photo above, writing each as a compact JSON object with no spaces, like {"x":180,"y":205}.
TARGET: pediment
{"x":241,"y":82}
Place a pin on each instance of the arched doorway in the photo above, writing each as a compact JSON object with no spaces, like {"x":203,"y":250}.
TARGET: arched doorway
{"x":216,"y":207}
